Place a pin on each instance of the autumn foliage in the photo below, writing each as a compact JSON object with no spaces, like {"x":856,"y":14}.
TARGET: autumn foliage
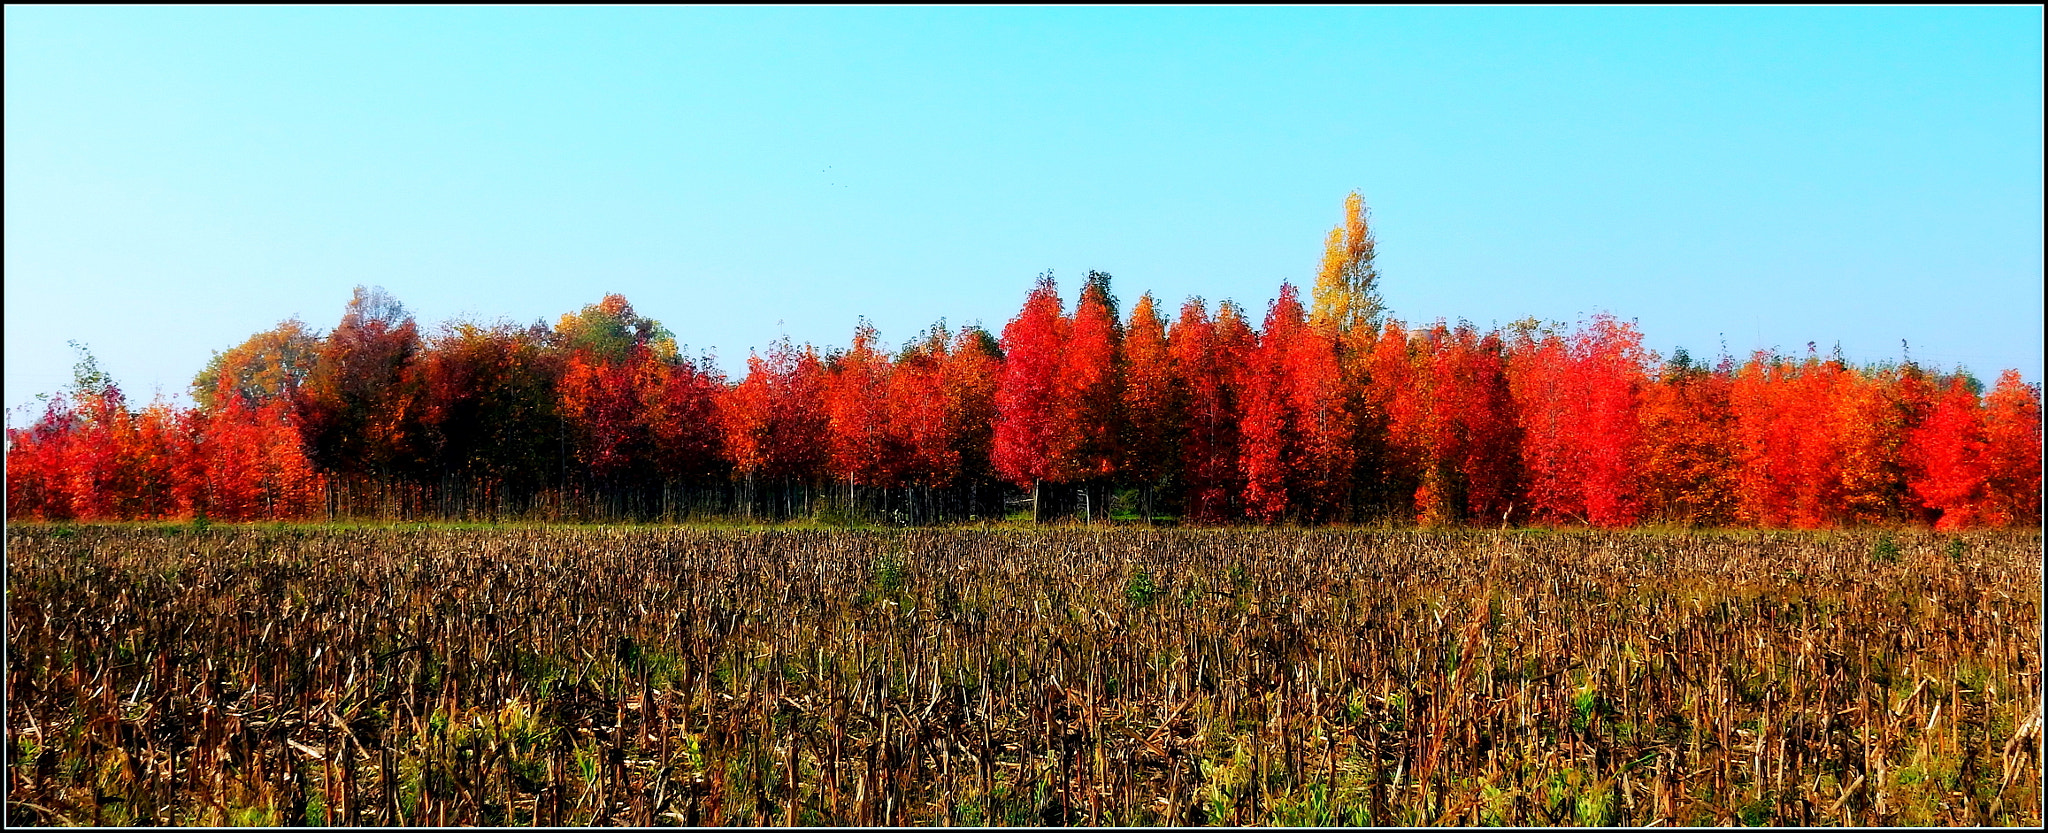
{"x":1328,"y":411}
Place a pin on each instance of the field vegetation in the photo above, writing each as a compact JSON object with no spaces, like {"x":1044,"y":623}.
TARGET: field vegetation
{"x":274,"y":674}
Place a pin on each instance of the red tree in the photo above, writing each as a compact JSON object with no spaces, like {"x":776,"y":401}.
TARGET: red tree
{"x":1027,"y":442}
{"x":1873,"y":413}
{"x":1688,"y":460}
{"x":490,"y":407}
{"x":1548,"y":408}
{"x":1297,"y":417}
{"x":941,"y":401}
{"x":773,"y":421}
{"x":744,"y":414}
{"x":94,"y":462}
{"x":1471,"y":457}
{"x":1429,"y":425}
{"x":920,"y":409}
{"x":599,"y":402}
{"x":1153,"y":401}
{"x":90,"y":457}
{"x":973,"y":370}
{"x":1945,"y":458}
{"x":153,"y":446}
{"x":39,"y":484}
{"x":1390,"y":398}
{"x":356,"y":404}
{"x":618,"y":364}
{"x":1321,"y":405}
{"x":1205,"y":358}
{"x":1788,"y":426}
{"x":1263,"y":441}
{"x":1089,"y":410}
{"x":1581,"y":436}
{"x":2012,"y":453}
{"x":863,"y":442}
{"x":248,"y":463}
{"x":1765,"y":440}
{"x":1609,"y":360}
{"x":679,"y":416}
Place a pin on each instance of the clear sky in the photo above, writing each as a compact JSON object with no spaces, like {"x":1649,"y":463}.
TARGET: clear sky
{"x":178,"y":179}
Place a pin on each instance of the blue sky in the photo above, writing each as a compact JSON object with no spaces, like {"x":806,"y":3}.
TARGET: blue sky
{"x":178,"y":179}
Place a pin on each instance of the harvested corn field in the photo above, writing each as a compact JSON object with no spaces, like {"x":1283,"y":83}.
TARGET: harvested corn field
{"x":579,"y":676}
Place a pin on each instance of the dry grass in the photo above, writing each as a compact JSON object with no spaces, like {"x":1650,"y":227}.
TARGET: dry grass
{"x":589,"y":676}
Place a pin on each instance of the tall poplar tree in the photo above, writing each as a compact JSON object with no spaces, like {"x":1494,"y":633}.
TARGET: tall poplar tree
{"x":1346,"y":296}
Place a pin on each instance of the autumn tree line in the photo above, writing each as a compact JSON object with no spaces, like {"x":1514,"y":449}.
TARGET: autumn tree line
{"x":1328,"y":410}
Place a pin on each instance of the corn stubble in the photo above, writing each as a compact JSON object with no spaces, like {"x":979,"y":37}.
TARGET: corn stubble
{"x":651,"y":677}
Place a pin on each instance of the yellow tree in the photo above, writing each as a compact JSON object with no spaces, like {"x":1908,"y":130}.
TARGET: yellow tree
{"x":1346,"y":296}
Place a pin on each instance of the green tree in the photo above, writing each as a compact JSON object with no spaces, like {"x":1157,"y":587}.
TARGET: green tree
{"x":609,"y":329}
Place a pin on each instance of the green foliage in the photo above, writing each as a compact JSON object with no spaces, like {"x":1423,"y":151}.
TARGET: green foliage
{"x":586,"y":765}
{"x":253,"y":817}
{"x":1755,"y":813}
{"x":610,"y":328}
{"x":835,"y":516}
{"x":1126,"y":504}
{"x":316,"y":811}
{"x":1141,"y":591}
{"x":86,"y":376}
{"x":1598,"y":807}
{"x":1886,"y":551}
{"x":1309,"y":808}
{"x":1588,"y":706}
{"x":890,"y":574}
